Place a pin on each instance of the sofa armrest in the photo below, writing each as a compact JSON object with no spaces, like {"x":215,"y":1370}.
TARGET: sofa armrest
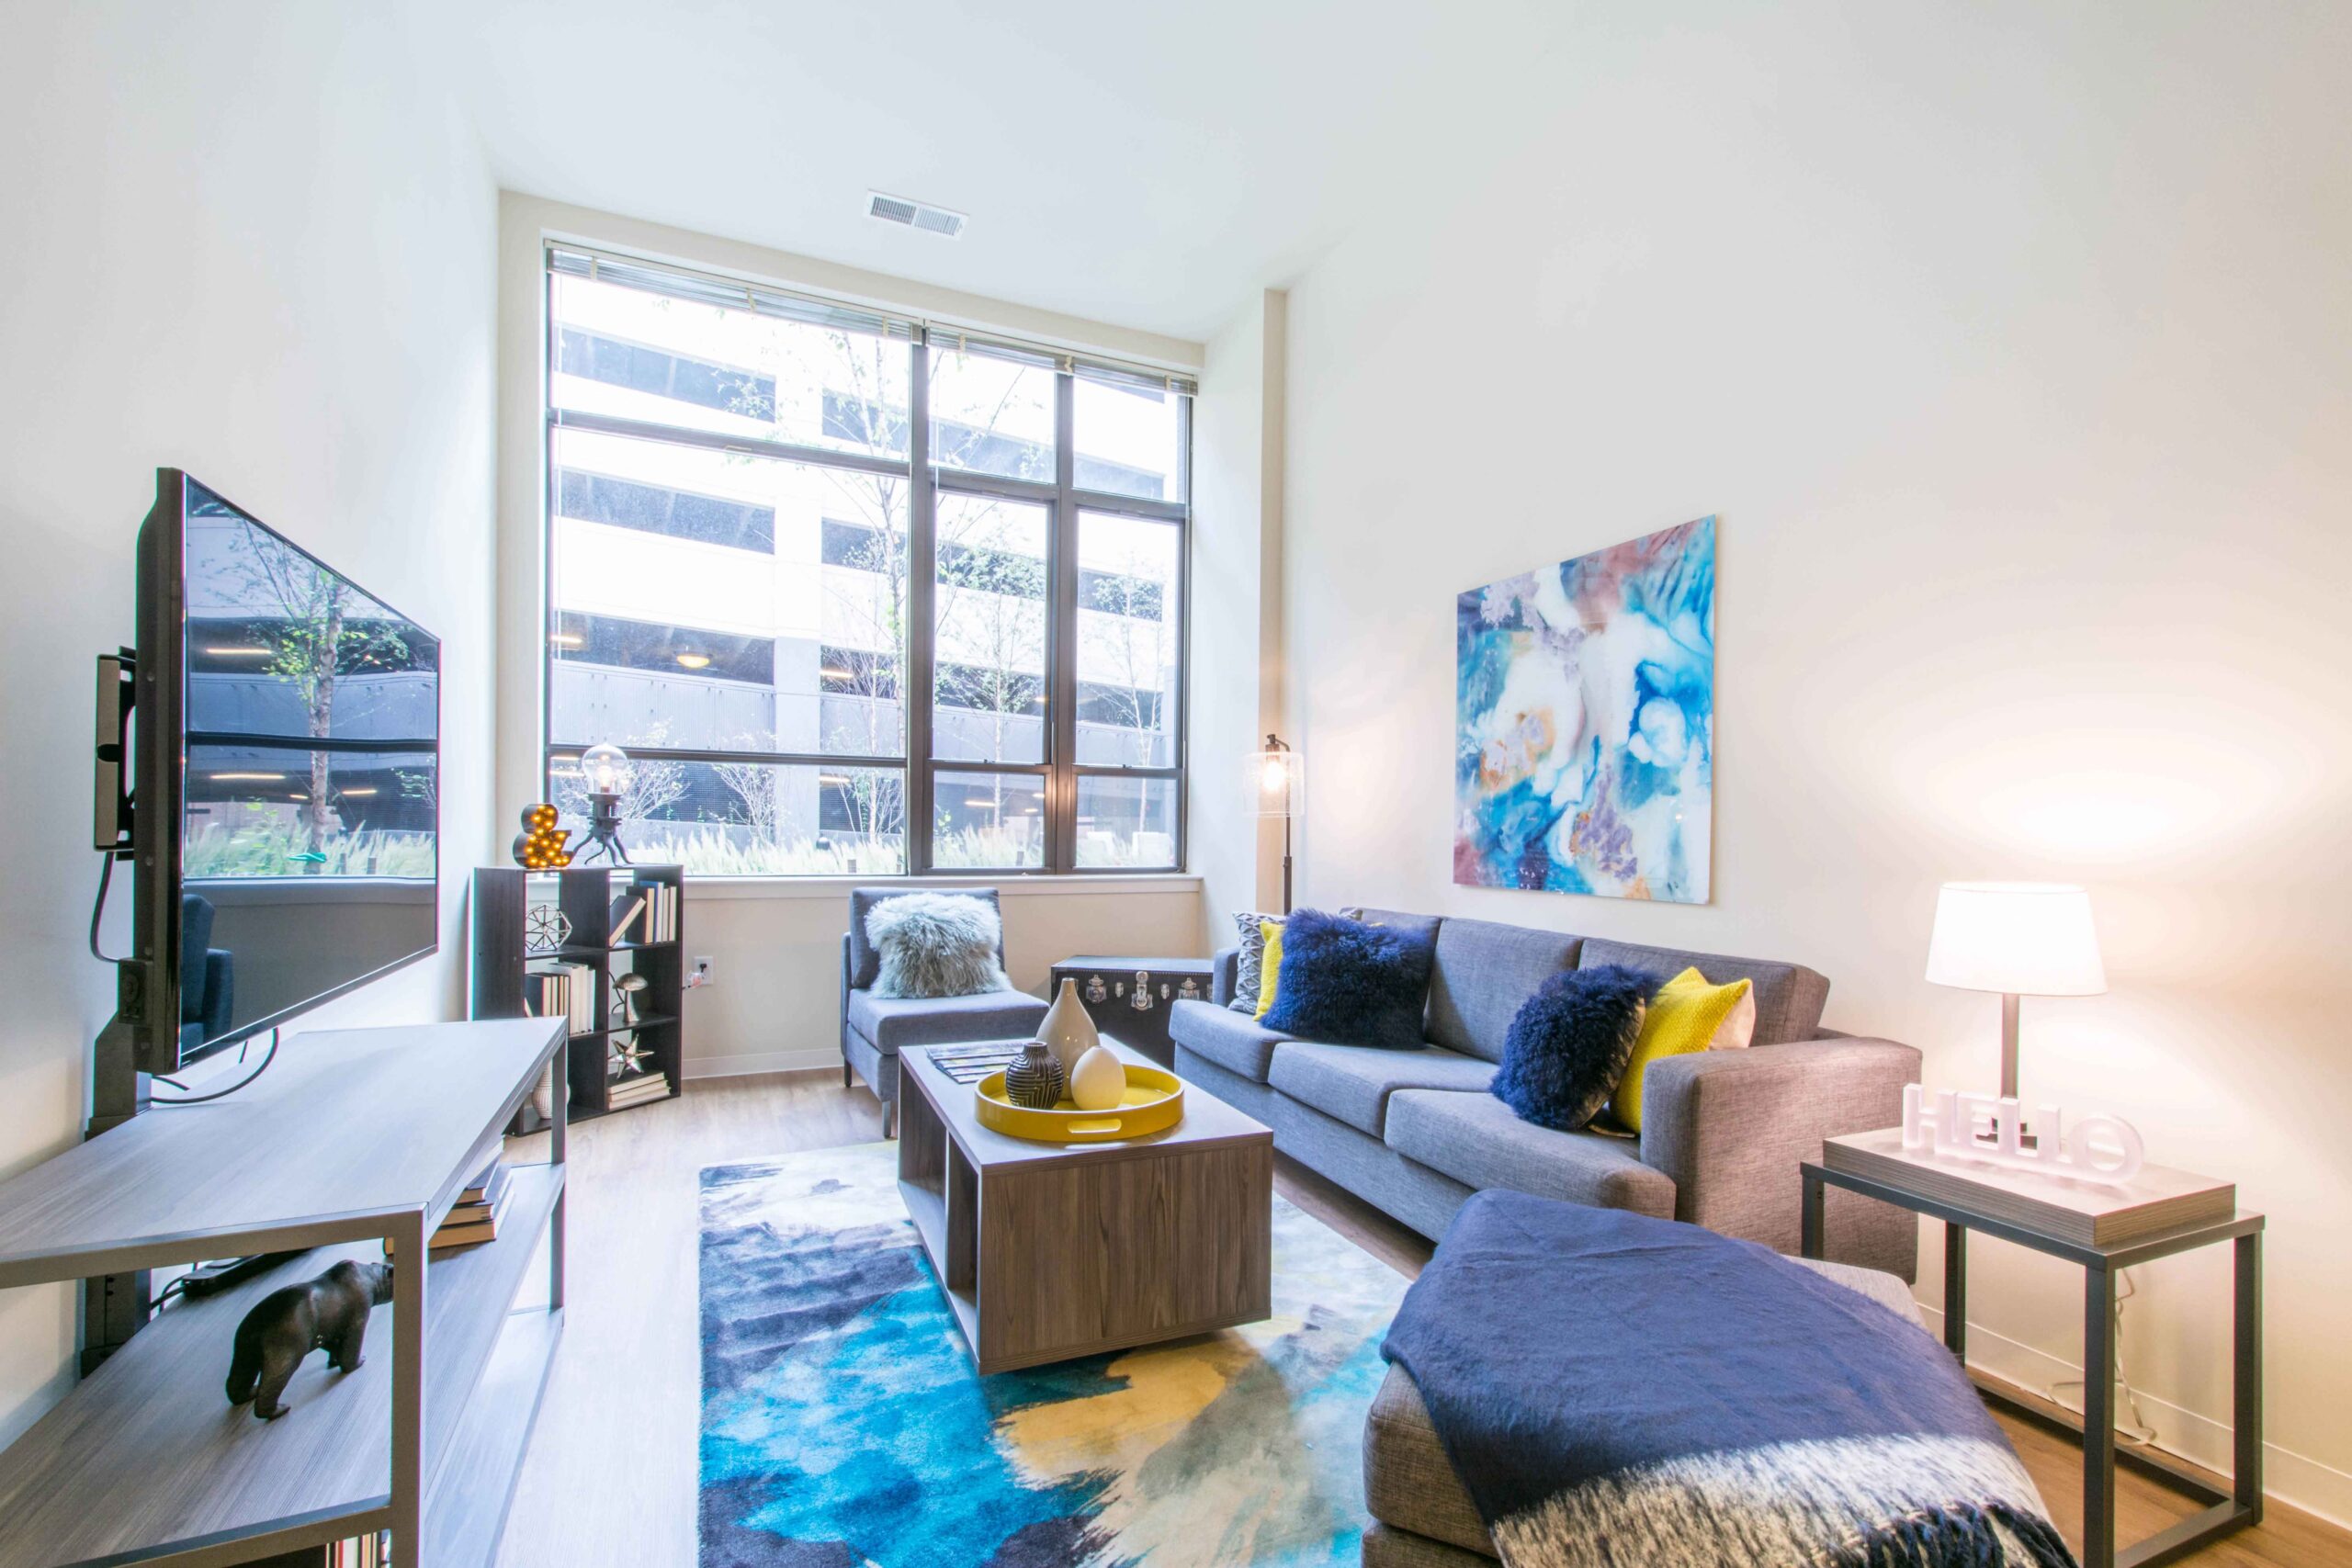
{"x":1731,"y":1127}
{"x":1228,"y":965}
{"x":844,"y":1004}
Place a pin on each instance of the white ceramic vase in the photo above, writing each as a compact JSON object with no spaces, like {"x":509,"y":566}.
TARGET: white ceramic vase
{"x":1067,"y":1029}
{"x":1099,"y":1082}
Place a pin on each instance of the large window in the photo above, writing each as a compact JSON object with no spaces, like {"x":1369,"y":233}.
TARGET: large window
{"x":859,"y":595}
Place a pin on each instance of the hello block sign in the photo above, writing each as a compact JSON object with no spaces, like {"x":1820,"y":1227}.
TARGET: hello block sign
{"x":1989,"y":1129}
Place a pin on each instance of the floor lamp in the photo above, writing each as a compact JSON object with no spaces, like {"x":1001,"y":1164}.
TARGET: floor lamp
{"x":1278,"y":787}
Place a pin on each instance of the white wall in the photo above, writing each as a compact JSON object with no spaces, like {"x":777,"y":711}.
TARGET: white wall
{"x":256,"y":242}
{"x":2009,"y":343}
{"x":1237,"y":654}
{"x":776,"y":942}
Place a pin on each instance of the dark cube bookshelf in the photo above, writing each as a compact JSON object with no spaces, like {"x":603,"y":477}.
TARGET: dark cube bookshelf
{"x":503,"y":963}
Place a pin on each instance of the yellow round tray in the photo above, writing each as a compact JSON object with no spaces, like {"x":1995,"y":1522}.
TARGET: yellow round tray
{"x":1155,"y":1101}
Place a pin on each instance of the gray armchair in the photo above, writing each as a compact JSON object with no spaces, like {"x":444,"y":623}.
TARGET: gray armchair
{"x":873,"y":1028}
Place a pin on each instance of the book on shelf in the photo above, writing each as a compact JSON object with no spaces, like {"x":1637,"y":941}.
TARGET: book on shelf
{"x":483,"y":1193}
{"x":644,"y":912}
{"x":635,"y":1090}
{"x":361,"y":1552}
{"x":625,"y":920}
{"x":471,"y":1225}
{"x":2091,"y":1213}
{"x":567,"y":992}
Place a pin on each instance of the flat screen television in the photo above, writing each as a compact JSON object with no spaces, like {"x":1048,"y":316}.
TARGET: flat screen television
{"x":284,"y":787}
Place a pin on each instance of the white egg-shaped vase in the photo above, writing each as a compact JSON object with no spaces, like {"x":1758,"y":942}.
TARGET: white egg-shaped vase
{"x":1068,"y":1028}
{"x":1099,"y":1082}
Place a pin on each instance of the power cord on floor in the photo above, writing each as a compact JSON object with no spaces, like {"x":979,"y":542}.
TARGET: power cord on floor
{"x":2137,"y":1430}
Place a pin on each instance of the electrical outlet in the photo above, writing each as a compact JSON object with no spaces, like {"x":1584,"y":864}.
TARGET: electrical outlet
{"x":702,"y":971}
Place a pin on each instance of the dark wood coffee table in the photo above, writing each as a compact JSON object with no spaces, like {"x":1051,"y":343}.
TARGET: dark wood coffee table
{"x":1047,"y":1251}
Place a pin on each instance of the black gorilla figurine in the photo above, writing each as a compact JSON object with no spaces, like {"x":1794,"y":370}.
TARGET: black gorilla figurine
{"x":328,"y":1313}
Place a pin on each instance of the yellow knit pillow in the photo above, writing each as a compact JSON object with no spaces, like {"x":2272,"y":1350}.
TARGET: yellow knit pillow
{"x":1686,"y":1015}
{"x":1270,"y":968}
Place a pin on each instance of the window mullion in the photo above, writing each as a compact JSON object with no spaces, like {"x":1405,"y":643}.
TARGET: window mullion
{"x":922,"y":623}
{"x":1061,"y":794}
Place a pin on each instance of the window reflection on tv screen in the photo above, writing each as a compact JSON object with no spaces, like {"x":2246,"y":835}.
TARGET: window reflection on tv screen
{"x":311,"y":790}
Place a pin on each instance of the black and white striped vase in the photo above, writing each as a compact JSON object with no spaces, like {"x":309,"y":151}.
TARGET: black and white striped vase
{"x":1036,"y":1080}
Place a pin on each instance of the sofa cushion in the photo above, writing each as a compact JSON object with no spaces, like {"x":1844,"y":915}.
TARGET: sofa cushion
{"x":865,"y":958}
{"x":1485,"y":971}
{"x":1476,"y":1139}
{"x":890,"y":1022}
{"x":1789,"y":997}
{"x":1353,"y":1083}
{"x":1238,"y":1045}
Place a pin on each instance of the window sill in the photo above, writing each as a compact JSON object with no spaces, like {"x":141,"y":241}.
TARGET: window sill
{"x":837,"y":888}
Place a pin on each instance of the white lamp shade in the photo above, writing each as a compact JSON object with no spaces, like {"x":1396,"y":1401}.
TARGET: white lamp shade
{"x":2030,"y":939}
{"x":1277,"y":782}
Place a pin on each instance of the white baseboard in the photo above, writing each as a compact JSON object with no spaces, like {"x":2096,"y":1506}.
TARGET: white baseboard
{"x":2291,"y":1478}
{"x":760,"y":1062}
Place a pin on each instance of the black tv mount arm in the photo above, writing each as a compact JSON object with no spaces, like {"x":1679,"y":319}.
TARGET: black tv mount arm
{"x":115,"y":1305}
{"x":117,"y":1090}
{"x":112,"y":808}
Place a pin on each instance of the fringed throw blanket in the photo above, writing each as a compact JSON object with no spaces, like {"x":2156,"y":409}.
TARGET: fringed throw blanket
{"x":1619,"y":1391}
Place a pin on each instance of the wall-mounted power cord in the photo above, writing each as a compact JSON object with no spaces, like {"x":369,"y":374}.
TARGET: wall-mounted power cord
{"x":2135,"y":1429}
{"x":97,"y":913}
{"x":98,"y":908}
{"x":219,"y":1093}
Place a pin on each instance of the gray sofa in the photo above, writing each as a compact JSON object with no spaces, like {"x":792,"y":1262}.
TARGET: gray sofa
{"x":1415,"y":1133}
{"x":873,"y":1028}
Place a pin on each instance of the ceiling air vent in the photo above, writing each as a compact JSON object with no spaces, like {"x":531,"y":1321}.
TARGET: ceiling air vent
{"x":913,"y":214}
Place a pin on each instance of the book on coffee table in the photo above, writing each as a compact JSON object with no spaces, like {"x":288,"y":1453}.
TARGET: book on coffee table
{"x":2093,"y":1213}
{"x":970,"y":1064}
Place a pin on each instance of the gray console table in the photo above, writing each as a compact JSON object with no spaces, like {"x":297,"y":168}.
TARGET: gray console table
{"x":354,"y":1138}
{"x":2226,"y":1511}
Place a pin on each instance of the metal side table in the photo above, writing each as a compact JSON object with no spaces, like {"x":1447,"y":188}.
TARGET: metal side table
{"x":2235,"y":1509}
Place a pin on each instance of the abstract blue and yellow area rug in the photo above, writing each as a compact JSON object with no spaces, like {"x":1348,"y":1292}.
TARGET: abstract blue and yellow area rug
{"x":844,"y":1424}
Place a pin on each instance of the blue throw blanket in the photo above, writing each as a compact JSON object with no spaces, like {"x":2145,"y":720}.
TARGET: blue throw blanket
{"x":1616,"y":1390}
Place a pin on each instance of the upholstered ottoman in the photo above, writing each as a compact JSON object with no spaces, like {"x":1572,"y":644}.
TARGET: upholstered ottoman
{"x":1423,"y":1518}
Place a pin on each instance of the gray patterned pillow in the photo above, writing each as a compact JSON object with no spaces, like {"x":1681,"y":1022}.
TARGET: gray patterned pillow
{"x":1247,"y":974}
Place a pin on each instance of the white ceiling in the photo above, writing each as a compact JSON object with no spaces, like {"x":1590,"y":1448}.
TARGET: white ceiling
{"x":1145,"y":164}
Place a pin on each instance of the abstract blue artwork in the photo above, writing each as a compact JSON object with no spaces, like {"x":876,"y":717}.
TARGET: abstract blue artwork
{"x":1584,"y":759}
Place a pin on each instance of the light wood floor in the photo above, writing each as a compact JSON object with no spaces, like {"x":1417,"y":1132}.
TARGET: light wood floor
{"x":610,"y":1479}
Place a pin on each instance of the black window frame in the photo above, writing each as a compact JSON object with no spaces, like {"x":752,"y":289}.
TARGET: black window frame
{"x":1064,"y":502}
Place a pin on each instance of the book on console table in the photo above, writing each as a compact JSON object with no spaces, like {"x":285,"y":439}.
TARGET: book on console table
{"x":2093,"y":1213}
{"x":474,"y":1218}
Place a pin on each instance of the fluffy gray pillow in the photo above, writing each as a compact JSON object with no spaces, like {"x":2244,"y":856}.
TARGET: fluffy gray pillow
{"x":936,"y":944}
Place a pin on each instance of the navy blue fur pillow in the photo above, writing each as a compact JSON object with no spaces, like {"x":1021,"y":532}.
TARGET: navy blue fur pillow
{"x":1568,"y":1044}
{"x":1348,"y":983}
